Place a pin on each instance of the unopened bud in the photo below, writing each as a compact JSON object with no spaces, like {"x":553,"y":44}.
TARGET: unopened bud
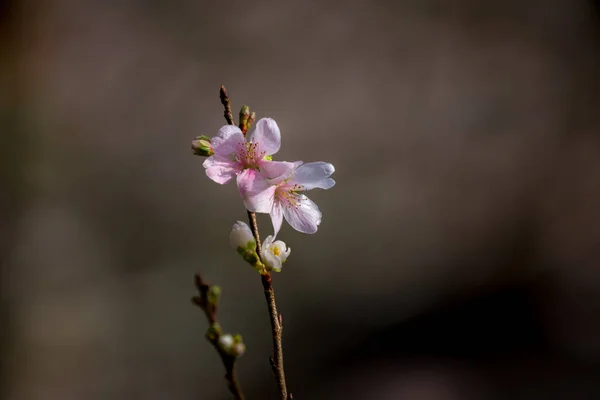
{"x":238,"y":349}
{"x":202,"y":147}
{"x":226,"y":342}
{"x":242,"y":239}
{"x":244,"y":116}
{"x":241,"y":236}
{"x":251,"y":120}
{"x":213,"y":295}
{"x":214,"y":331}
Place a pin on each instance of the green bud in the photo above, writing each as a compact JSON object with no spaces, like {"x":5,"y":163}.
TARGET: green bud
{"x":202,"y":147}
{"x":244,"y":116}
{"x":251,"y":120}
{"x":250,"y":256}
{"x":214,"y":331}
{"x":213,"y":295}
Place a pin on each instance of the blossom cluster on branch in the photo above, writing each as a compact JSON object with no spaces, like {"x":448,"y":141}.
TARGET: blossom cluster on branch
{"x":265,"y":186}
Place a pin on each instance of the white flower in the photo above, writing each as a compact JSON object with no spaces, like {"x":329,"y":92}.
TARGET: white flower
{"x":274,"y":253}
{"x":241,"y":236}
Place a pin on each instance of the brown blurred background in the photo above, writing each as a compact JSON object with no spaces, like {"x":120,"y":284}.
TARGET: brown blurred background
{"x":458,"y":254}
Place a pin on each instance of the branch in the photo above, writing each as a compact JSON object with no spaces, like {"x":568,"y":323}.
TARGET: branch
{"x":227,"y":105}
{"x":207,"y":300}
{"x":275,"y":317}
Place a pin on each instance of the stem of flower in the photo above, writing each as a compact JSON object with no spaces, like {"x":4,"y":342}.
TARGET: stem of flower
{"x":274,"y":316}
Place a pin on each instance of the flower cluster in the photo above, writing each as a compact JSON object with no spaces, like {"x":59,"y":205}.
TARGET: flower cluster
{"x":267,"y":186}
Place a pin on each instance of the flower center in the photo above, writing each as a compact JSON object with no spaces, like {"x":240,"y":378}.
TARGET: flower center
{"x":289,"y":196}
{"x":248,"y":155}
{"x":275,"y":250}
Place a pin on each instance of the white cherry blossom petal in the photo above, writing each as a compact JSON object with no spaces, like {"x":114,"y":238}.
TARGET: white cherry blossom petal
{"x":229,"y":140}
{"x":276,"y":218}
{"x":314,"y":175}
{"x":304,"y":216}
{"x":276,"y":171}
{"x":256,"y":191}
{"x":221,"y":169}
{"x":267,"y":135}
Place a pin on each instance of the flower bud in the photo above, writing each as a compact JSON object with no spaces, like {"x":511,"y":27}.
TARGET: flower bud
{"x":213,"y":331}
{"x":251,"y":119}
{"x":274,"y":254}
{"x":244,"y":117}
{"x":232,"y":345}
{"x":202,"y":147}
{"x":243,"y":241}
{"x":213,"y":295}
{"x":238,"y":349}
{"x":241,"y":237}
{"x":226,"y":342}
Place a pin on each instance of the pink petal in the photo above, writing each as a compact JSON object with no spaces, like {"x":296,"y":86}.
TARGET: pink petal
{"x":276,"y":218}
{"x":267,"y":135}
{"x":257,"y":193}
{"x":221,"y":169}
{"x":305,"y":217}
{"x":314,"y":175}
{"x":276,"y":171}
{"x":229,"y":139}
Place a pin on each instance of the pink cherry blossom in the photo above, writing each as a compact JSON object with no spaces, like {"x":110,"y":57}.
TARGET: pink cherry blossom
{"x":248,"y":161}
{"x":289,"y":202}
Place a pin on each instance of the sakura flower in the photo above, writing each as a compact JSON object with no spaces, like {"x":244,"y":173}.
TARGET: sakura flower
{"x":249,"y":161}
{"x":288,"y":200}
{"x":274,"y":253}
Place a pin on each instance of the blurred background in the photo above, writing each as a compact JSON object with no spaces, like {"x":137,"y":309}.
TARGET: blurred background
{"x":458,"y":254}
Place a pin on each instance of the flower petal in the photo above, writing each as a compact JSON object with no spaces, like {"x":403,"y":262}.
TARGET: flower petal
{"x":305,"y":217}
{"x":314,"y":175}
{"x":256,"y":191}
{"x":221,"y":169}
{"x":276,"y":218}
{"x":267,"y":135}
{"x":229,"y":139}
{"x":276,"y":171}
{"x":284,"y":251}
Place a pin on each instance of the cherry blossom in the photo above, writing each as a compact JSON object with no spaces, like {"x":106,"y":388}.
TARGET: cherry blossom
{"x":287,"y":199}
{"x":249,"y":161}
{"x":274,"y":253}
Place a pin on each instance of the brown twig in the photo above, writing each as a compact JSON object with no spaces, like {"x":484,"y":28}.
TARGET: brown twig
{"x":227,"y":105}
{"x":209,"y":306}
{"x":275,"y":317}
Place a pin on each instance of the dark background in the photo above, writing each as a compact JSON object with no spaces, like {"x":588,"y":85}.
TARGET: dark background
{"x":458,"y":254}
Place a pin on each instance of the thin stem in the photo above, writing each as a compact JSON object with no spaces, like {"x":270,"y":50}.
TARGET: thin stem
{"x":274,"y":316}
{"x":227,"y":105}
{"x":276,"y":332}
{"x":210,"y":310}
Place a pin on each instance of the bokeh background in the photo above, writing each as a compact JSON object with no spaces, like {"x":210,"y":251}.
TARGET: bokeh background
{"x":458,"y":254}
